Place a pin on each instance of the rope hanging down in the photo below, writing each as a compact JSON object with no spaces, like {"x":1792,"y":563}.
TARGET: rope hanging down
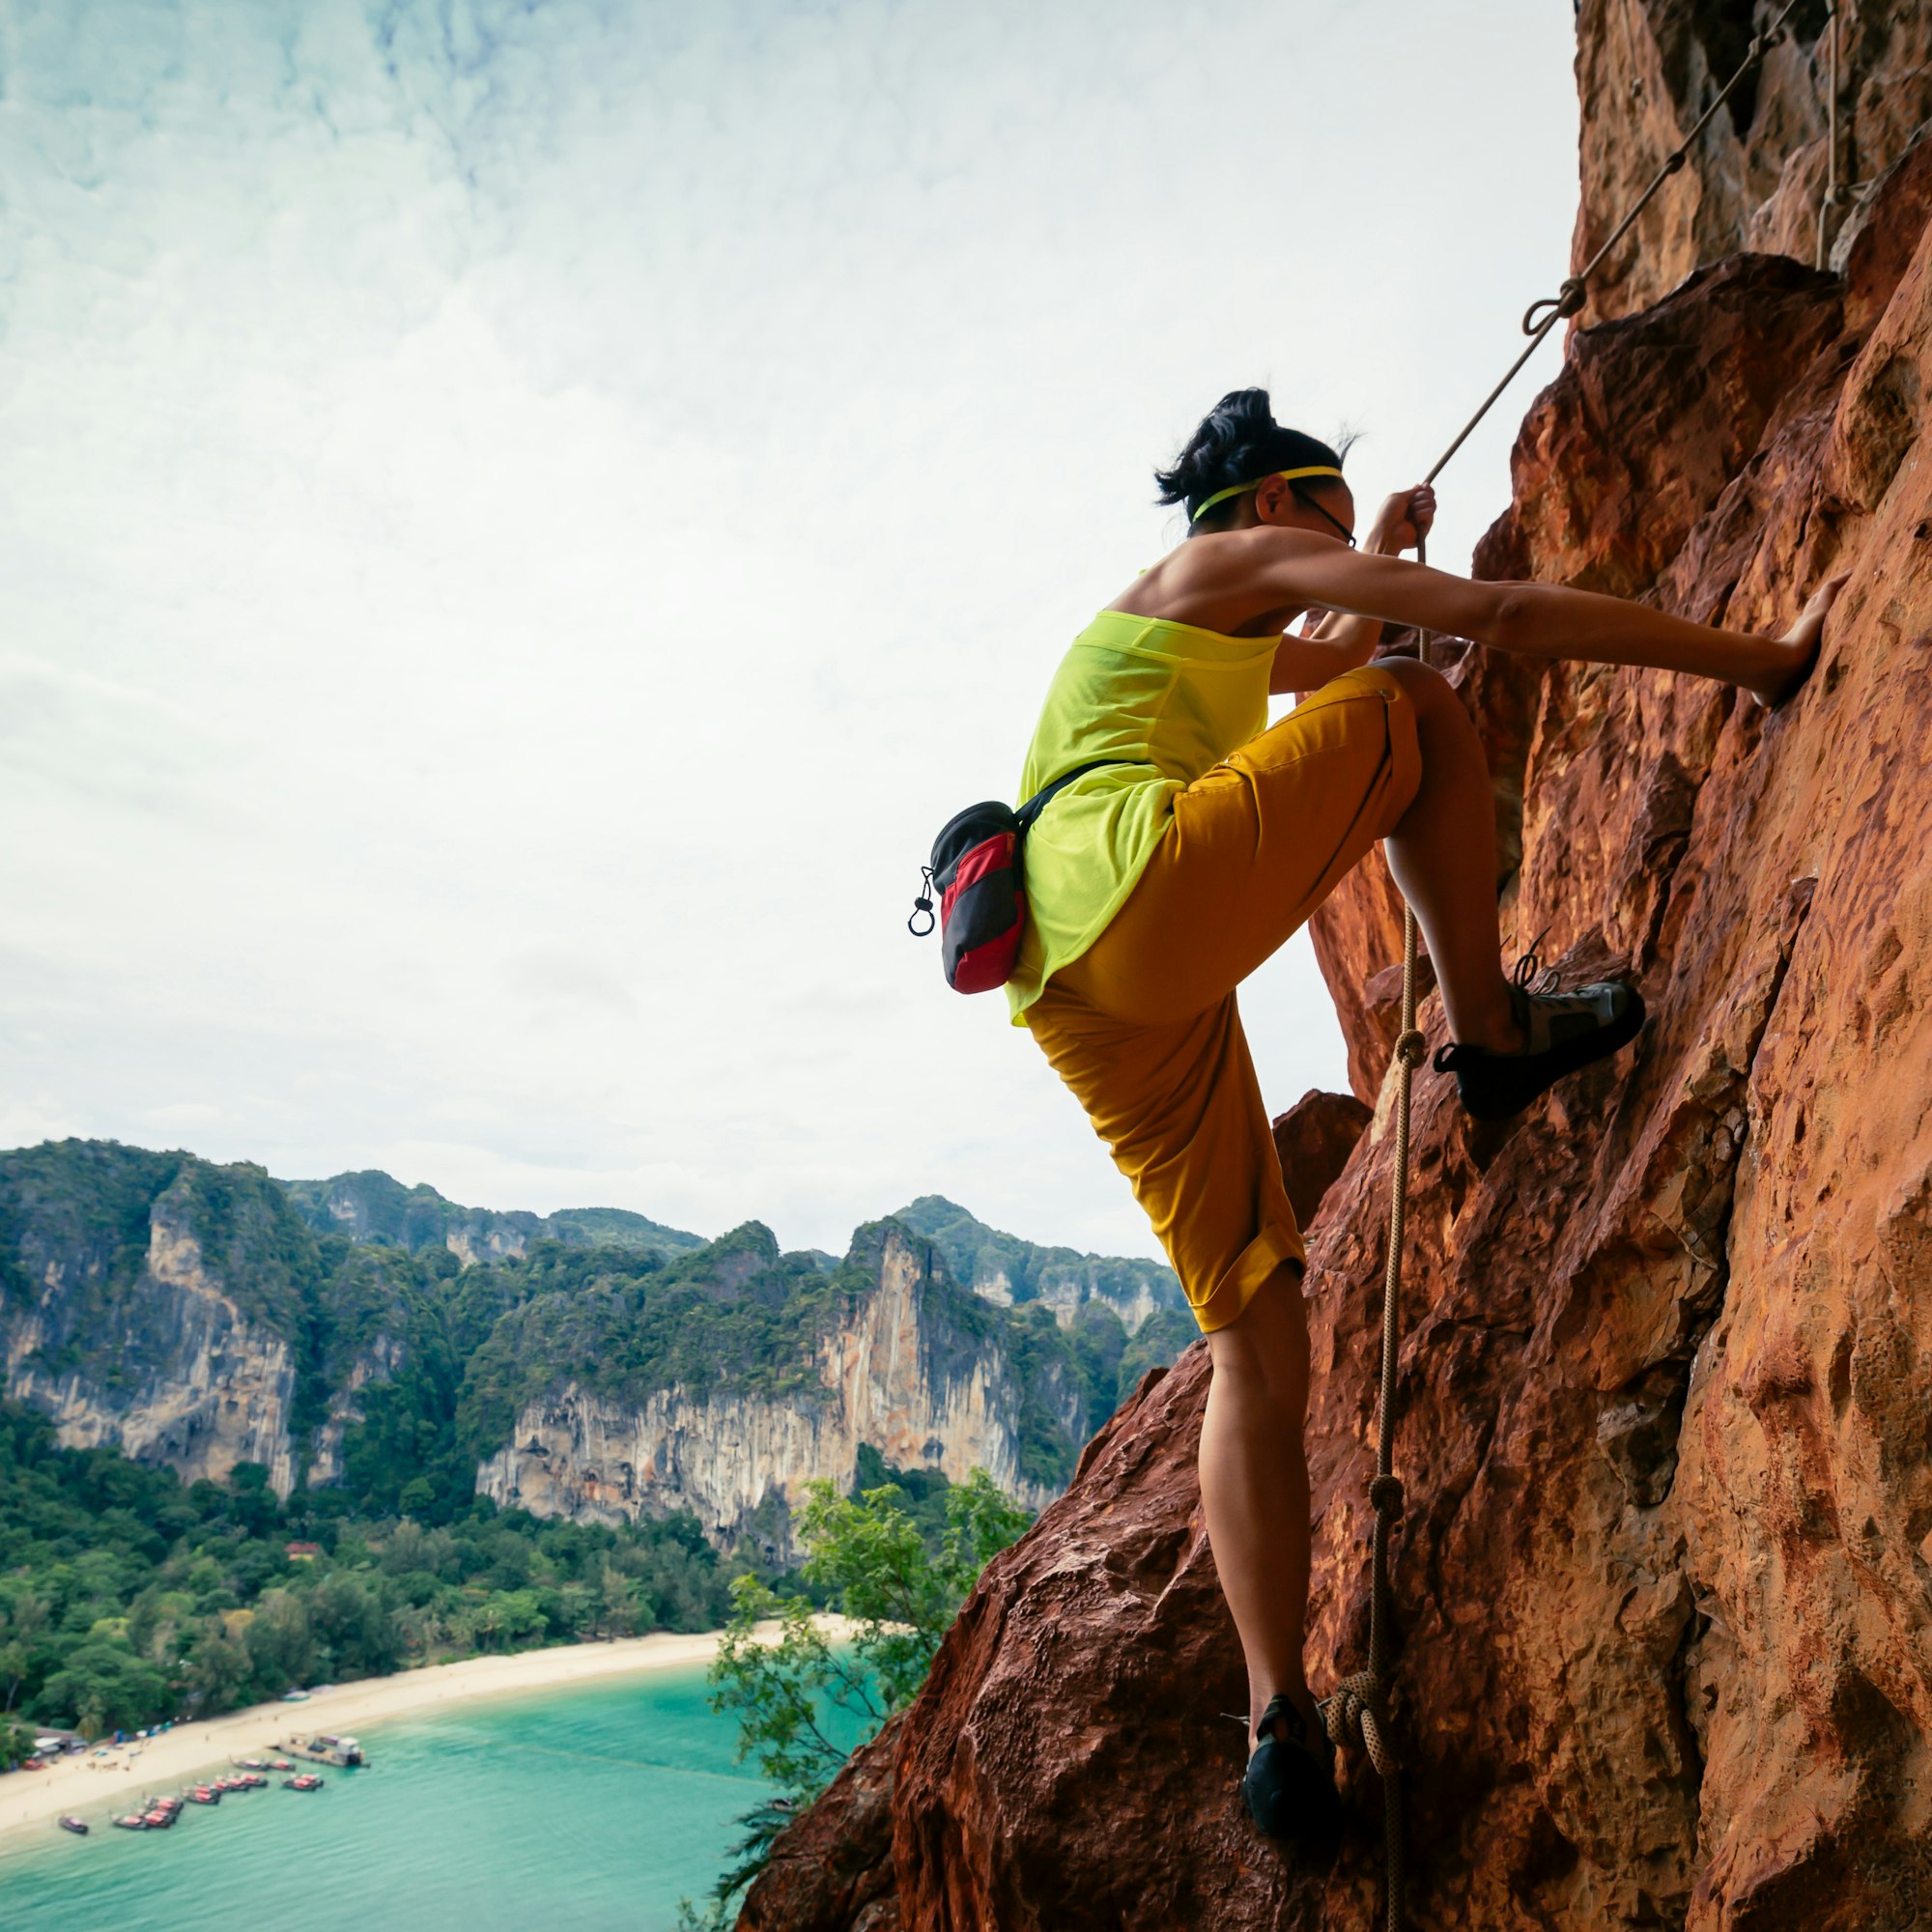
{"x":1359,"y":1705}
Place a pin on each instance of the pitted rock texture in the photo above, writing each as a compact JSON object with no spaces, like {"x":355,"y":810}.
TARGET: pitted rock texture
{"x":1664,"y":1580}
{"x":832,"y":1870}
{"x":1313,"y":1140}
{"x":1756,"y":178}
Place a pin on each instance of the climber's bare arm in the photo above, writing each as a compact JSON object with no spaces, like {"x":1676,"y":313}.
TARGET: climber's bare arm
{"x":1402,"y":523}
{"x":1291,"y":568}
{"x":1363,"y":591}
{"x":1348,"y":639}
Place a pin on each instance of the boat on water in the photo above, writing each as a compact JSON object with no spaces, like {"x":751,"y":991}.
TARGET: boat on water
{"x":159,"y":1820}
{"x":204,"y":1794}
{"x":77,"y":1826}
{"x":322,"y":1748}
{"x":303,"y":1781}
{"x":134,"y":1821}
{"x":247,"y":1764}
{"x":280,"y":1763}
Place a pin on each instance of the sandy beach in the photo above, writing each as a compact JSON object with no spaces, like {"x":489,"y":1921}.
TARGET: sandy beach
{"x":92,"y":1786}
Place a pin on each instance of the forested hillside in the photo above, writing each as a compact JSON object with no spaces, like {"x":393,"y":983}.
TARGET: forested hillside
{"x":362,"y":1335}
{"x":127,"y":1596}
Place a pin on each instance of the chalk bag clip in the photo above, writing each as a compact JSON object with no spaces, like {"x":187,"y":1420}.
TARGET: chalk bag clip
{"x":922,"y":908}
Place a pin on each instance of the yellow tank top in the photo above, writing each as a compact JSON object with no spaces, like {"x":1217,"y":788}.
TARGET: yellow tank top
{"x":1168,"y":701}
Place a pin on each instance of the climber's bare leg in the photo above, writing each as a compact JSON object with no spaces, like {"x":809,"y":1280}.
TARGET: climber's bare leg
{"x":1254,"y":1485}
{"x":1443,"y":855}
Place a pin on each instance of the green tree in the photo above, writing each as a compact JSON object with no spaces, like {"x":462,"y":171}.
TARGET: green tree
{"x":866,"y":1555}
{"x":486,"y":1622}
{"x":251,"y":1503}
{"x":870,"y":1559}
{"x":356,"y":1632}
{"x":625,"y":1607}
{"x":23,"y":1622}
{"x":514,"y":1617}
{"x":280,"y":1645}
{"x":574,"y":1607}
{"x":14,"y":1665}
{"x":103,"y":1686}
{"x":218,"y":1669}
{"x":1098,"y":1339}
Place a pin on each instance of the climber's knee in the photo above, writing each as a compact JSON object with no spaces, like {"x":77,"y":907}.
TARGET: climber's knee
{"x":1423,"y":685}
{"x":1265,"y":1347}
{"x":1445,"y":735}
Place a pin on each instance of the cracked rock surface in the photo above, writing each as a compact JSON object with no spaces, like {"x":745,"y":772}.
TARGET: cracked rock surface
{"x":1665,"y":1580}
{"x":1757,"y":177}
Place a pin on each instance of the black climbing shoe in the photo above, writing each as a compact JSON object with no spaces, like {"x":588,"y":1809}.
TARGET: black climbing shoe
{"x":1565,"y":1031}
{"x":1290,"y":1783}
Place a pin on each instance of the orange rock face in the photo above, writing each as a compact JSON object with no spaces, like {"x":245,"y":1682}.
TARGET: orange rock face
{"x":1756,"y":178}
{"x":1664,"y":1582}
{"x":1313,"y":1140}
{"x":831,"y":1871}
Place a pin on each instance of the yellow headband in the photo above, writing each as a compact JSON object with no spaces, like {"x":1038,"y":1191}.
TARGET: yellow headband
{"x":1237,"y":489}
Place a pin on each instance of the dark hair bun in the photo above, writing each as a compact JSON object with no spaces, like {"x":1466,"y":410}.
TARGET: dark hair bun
{"x":1238,"y":441}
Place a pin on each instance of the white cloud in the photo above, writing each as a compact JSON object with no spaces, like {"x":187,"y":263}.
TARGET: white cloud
{"x":518,"y":523}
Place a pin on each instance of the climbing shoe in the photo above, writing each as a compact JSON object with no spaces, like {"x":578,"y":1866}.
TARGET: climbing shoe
{"x":1290,"y":1783}
{"x":1565,"y":1031}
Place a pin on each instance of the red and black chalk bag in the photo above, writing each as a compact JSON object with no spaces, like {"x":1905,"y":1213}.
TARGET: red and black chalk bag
{"x":979,"y":870}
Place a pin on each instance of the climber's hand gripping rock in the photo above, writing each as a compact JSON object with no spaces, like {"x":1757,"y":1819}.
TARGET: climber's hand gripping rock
{"x":1803,"y":639}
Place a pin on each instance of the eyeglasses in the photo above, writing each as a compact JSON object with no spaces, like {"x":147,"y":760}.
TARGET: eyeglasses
{"x":1342,"y":529}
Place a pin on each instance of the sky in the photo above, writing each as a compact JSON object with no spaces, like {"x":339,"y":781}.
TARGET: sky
{"x":518,"y":523}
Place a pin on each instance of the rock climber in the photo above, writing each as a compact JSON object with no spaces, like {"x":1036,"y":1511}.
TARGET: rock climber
{"x":1160,"y":881}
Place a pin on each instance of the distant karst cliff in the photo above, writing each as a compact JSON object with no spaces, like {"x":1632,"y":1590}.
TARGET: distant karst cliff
{"x":590,"y":1363}
{"x":1664,"y":1575}
{"x":161,"y":1304}
{"x":1008,"y":1271}
{"x":373,"y":1206}
{"x":899,"y":1358}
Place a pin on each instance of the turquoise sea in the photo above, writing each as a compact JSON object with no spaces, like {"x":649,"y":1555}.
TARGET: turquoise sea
{"x":595,"y":1808}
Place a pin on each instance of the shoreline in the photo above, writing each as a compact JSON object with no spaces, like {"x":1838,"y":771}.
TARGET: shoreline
{"x":93,"y":1788}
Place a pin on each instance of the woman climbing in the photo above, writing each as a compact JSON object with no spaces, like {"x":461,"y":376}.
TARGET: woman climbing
{"x":1160,"y":880}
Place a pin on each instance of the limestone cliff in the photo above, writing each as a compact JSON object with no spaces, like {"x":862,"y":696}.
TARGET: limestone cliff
{"x":370,"y":1205}
{"x":589,"y":1363}
{"x":899,"y":1370}
{"x":1010,"y":1273}
{"x":1665,"y":1580}
{"x":376,"y":1363}
{"x":119,"y":1322}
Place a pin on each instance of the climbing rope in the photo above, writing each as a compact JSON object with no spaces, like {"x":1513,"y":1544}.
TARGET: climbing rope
{"x":1839,"y":191}
{"x":1359,"y":1706}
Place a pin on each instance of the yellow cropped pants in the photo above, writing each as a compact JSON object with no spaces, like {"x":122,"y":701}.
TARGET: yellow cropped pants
{"x":1143,"y":1027}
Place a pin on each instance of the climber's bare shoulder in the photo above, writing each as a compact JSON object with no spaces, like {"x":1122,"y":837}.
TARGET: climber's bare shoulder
{"x":1252,"y":581}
